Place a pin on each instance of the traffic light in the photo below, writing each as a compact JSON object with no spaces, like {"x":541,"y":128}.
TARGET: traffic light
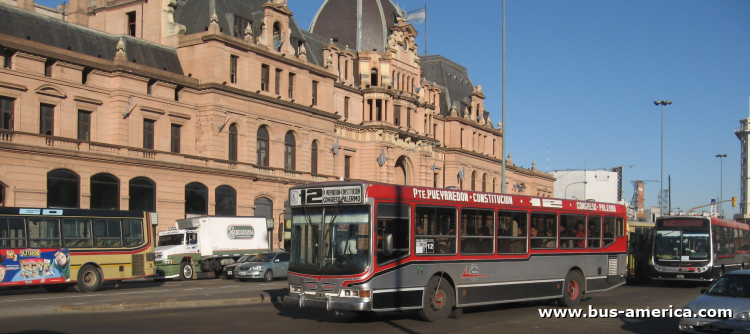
{"x":734,"y":201}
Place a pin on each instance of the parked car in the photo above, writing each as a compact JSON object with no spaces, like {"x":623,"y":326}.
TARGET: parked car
{"x":730,"y":291}
{"x":228,"y":271}
{"x":265,"y":265}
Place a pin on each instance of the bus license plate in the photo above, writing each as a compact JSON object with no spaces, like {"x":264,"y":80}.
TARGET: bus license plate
{"x":680,"y":276}
{"x":320,"y":295}
{"x":229,"y":272}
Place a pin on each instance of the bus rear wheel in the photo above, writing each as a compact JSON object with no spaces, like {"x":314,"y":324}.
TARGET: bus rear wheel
{"x":438,"y":299}
{"x":572,"y":290}
{"x":89,"y":279}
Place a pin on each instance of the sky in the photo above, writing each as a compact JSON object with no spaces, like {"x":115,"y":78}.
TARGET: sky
{"x":582,"y":78}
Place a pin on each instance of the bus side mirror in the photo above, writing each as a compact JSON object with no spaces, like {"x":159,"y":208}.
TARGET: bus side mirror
{"x":387,"y":244}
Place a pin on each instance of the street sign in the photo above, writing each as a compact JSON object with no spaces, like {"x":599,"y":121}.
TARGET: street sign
{"x":713,"y":207}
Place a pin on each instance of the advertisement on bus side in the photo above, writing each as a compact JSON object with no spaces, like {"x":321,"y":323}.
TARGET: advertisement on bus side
{"x":34,"y":266}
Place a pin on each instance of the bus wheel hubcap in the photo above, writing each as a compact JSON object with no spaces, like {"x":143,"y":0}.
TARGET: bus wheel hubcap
{"x":439,"y":301}
{"x":573,"y":289}
{"x":188,"y":272}
{"x":88,"y":278}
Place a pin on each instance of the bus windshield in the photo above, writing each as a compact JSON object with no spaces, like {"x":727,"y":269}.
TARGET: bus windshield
{"x":678,"y":245}
{"x":171,"y":239}
{"x":339,"y":246}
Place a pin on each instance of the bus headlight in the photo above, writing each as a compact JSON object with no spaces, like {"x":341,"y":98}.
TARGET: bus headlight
{"x":701,"y":269}
{"x":658,"y":267}
{"x":295,"y":289}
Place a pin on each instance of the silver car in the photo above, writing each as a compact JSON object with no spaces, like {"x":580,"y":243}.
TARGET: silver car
{"x":731,"y":291}
{"x":265,"y":265}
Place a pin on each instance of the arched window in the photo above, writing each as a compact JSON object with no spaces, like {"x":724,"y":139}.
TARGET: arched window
{"x":401,"y":177}
{"x":196,"y":199}
{"x":474,"y":180}
{"x":289,"y":151}
{"x":262,"y":146}
{"x":484,"y":182}
{"x":226,"y":201}
{"x":2,"y":195}
{"x":276,"y":36}
{"x":314,"y":157}
{"x":105,"y":192}
{"x":142,"y":193}
{"x":494,"y":182}
{"x":393,"y":79}
{"x":233,"y":142}
{"x":374,"y":77}
{"x":263,"y":207}
{"x":62,"y":189}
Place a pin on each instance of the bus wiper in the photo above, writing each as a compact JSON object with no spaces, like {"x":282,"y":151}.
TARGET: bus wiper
{"x":335,"y":215}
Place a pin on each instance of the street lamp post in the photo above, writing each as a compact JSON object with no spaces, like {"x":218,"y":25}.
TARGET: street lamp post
{"x":661,"y":181}
{"x":566,"y":188}
{"x":721,"y":184}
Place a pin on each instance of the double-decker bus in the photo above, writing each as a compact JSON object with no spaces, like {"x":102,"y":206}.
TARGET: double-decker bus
{"x":377,"y":247}
{"x":640,"y":240}
{"x":692,"y":248}
{"x":59,"y":248}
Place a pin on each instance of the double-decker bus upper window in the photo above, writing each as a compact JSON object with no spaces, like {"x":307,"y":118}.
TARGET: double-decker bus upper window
{"x":667,"y":245}
{"x":132,"y":231}
{"x":477,"y":231}
{"x":543,"y":230}
{"x":572,"y":231}
{"x":44,"y":232}
{"x":393,"y":219}
{"x":339,"y":246}
{"x":12,"y":232}
{"x":439,"y":235}
{"x":511,"y":232}
{"x":609,"y":234}
{"x":595,"y":232}
{"x":107,"y":233}
{"x":77,"y":233}
{"x":620,"y":227}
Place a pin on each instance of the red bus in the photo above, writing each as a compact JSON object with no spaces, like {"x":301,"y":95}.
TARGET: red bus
{"x":367,"y":247}
{"x":692,"y":248}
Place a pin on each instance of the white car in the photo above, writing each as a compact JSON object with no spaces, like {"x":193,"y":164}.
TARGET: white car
{"x":731,"y":291}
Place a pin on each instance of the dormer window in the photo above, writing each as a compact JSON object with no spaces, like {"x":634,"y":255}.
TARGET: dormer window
{"x":374,"y":77}
{"x":240,"y":24}
{"x":277,"y":36}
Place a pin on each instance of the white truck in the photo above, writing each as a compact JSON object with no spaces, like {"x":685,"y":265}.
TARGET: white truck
{"x":208,"y":243}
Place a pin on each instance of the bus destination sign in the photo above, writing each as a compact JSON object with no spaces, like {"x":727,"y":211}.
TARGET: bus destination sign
{"x":683,"y":223}
{"x":326,"y":196}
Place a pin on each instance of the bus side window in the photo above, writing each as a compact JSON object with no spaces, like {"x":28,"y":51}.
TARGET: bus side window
{"x":395,"y":220}
{"x":439,"y":230}
{"x":477,"y":231}
{"x":620,"y":227}
{"x":132,"y":231}
{"x":12,"y":232}
{"x":609,"y":234}
{"x":77,"y":233}
{"x":572,"y":231}
{"x":511,"y":232}
{"x":107,"y":233}
{"x":44,"y":232}
{"x":595,"y":232}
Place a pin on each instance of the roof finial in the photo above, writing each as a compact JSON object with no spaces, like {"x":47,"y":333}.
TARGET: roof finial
{"x":249,"y":30}
{"x":214,"y":18}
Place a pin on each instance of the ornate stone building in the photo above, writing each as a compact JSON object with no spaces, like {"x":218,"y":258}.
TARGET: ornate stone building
{"x":218,"y":107}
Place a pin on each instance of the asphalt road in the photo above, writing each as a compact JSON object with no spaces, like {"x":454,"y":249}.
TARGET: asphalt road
{"x":34,"y":311}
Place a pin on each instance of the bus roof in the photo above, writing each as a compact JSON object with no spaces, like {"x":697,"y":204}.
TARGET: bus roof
{"x":20,"y":211}
{"x":464,"y":197}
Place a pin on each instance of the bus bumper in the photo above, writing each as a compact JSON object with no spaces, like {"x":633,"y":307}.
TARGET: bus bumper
{"x":702,"y":277}
{"x":329,"y":302}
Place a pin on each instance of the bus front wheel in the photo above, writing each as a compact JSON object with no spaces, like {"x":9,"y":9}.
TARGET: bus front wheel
{"x":89,"y":279}
{"x":572,"y":290}
{"x":438,"y":299}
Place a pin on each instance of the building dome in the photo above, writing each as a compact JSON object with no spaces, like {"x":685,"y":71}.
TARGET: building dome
{"x":361,"y":24}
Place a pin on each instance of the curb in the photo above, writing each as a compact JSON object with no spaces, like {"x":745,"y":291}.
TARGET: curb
{"x":176,"y":304}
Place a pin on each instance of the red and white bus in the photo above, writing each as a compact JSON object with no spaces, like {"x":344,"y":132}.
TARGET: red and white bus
{"x":377,"y":247}
{"x":692,"y":248}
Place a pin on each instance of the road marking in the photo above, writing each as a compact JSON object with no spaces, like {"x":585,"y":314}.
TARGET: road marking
{"x":231,"y":286}
{"x":82,"y":296}
{"x":193,"y":289}
{"x":266,"y":284}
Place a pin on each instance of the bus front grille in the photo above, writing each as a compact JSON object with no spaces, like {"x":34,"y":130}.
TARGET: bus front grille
{"x":138,"y":265}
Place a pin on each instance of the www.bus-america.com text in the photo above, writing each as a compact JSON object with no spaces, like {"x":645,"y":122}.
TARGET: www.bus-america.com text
{"x":670,"y":312}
